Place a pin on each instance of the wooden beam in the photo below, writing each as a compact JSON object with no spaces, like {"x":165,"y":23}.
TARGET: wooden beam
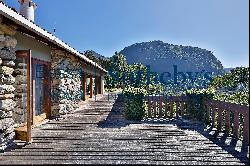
{"x":84,"y":86}
{"x":91,"y":86}
{"x":29,"y":96}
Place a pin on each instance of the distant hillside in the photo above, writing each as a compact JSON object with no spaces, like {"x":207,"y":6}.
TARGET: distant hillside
{"x":227,"y":70}
{"x":97,"y":55}
{"x":98,"y":58}
{"x":162,"y":56}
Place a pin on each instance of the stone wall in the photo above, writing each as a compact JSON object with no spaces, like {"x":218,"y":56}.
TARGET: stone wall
{"x":7,"y":104}
{"x":20,"y":74}
{"x":66,"y":88}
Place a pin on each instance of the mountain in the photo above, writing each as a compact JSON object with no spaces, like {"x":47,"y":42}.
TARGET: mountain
{"x":163,"y":56}
{"x":98,"y":58}
{"x":227,"y":70}
{"x":97,"y":55}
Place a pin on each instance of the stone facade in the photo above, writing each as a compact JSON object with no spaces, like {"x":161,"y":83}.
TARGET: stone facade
{"x":67,"y":84}
{"x":66,"y":88}
{"x":20,"y":74}
{"x":7,"y":103}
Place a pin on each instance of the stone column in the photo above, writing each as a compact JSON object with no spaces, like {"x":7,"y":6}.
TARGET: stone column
{"x":7,"y":104}
{"x":20,"y":73}
{"x":66,"y":82}
{"x":91,"y":86}
{"x":102,"y":85}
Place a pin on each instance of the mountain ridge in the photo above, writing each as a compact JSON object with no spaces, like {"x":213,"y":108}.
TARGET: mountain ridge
{"x":161,"y":57}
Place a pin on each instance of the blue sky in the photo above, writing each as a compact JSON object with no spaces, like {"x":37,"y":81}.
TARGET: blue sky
{"x":106,"y":26}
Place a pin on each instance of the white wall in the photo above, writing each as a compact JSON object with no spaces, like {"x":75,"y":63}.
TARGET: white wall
{"x":39,"y":50}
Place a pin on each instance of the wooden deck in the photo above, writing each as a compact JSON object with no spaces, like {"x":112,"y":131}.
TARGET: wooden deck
{"x":98,"y":134}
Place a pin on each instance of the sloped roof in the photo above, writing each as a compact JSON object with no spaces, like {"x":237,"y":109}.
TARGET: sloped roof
{"x":31,"y":26}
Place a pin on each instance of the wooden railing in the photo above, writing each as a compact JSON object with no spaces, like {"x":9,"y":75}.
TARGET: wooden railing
{"x":228,"y":117}
{"x":160,"y":106}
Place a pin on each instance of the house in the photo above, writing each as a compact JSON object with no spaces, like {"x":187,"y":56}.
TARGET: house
{"x":40,"y":75}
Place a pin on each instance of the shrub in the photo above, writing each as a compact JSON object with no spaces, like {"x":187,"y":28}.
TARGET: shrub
{"x":196,"y":103}
{"x":232,"y":87}
{"x":134,"y":100}
{"x":240,"y":97}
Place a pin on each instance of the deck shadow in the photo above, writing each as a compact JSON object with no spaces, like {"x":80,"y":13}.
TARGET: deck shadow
{"x":116,"y":119}
{"x":218,"y":138}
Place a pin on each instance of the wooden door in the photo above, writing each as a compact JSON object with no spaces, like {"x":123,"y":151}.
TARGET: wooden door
{"x":41,"y":89}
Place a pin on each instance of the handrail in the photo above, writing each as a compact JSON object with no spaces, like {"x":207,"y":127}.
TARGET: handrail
{"x":160,"y":106}
{"x":218,"y":107}
{"x":218,"y":112}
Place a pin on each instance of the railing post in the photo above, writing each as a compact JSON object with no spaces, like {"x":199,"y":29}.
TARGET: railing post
{"x":166,"y":108}
{"x":160,"y":107}
{"x":208,"y":115}
{"x":246,"y":128}
{"x":177,"y":109}
{"x":154,"y":107}
{"x":149,"y":107}
{"x":171,"y":109}
{"x":182,"y":109}
{"x":236,"y":125}
{"x":213,"y":117}
{"x":219,"y":125}
{"x":227,"y":122}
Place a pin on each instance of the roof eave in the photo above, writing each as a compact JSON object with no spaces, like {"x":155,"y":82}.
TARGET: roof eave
{"x":29,"y":25}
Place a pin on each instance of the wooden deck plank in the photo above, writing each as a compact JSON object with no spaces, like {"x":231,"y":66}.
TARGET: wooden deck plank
{"x":97,"y":135}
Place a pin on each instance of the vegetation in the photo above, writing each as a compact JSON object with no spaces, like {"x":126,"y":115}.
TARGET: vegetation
{"x":232,"y":87}
{"x":99,"y":59}
{"x":137,"y":81}
{"x":196,"y":103}
{"x":122,"y":75}
{"x":135,"y":105}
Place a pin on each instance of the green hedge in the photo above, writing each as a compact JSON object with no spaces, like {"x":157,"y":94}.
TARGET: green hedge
{"x":134,"y":100}
{"x":196,"y":103}
{"x":240,"y":97}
